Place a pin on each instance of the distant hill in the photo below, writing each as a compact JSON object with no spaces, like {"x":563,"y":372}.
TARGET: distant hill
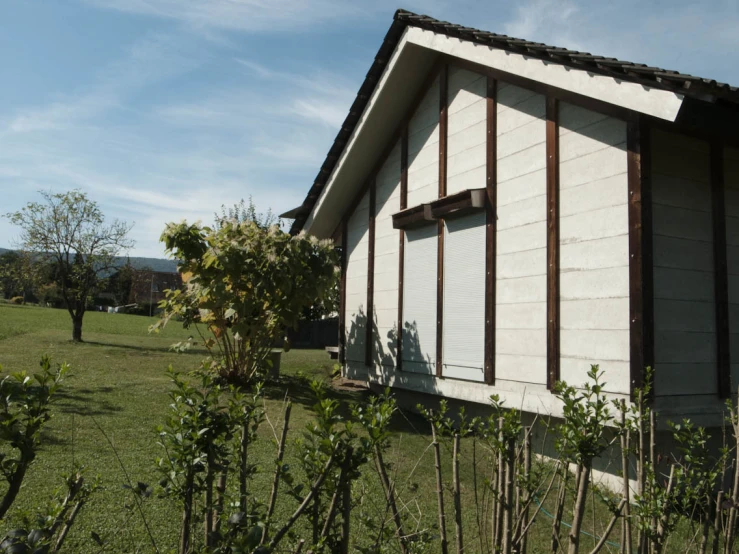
{"x":155,"y":264}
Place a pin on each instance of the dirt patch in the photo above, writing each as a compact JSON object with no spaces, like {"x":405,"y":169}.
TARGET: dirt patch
{"x":351,"y":385}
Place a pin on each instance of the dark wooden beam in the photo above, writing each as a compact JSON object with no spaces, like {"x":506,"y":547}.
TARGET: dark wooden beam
{"x":413,"y":217}
{"x":369,"y":334}
{"x":443,"y":127}
{"x":342,"y":292}
{"x":401,"y":244}
{"x":491,"y":161}
{"x":645,"y":158}
{"x":721,"y":278}
{"x":641,"y":299}
{"x":552,"y":147}
{"x":460,"y":203}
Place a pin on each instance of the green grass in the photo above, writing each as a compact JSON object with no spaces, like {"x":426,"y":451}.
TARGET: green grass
{"x":118,"y":384}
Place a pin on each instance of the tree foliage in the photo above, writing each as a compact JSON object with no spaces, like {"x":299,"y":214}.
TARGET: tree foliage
{"x":242,"y":211}
{"x":70,"y":231}
{"x":246,"y":284}
{"x":24,"y":410}
{"x":22,"y":274}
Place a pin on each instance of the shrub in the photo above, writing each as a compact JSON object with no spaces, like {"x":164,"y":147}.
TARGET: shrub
{"x":245,"y":284}
{"x":17,"y":300}
{"x":49,"y":295}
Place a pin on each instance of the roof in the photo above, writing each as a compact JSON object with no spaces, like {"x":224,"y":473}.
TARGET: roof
{"x":655,"y":77}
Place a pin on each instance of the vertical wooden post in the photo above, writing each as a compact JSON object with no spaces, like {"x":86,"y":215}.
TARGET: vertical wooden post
{"x":490,"y":226}
{"x":721,"y":279}
{"x":401,"y":237}
{"x":641,"y":304}
{"x":443,"y":101}
{"x":342,"y":292}
{"x":552,"y":146}
{"x":369,"y":331}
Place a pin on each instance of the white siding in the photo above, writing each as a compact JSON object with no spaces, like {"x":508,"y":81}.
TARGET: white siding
{"x":419,"y":300}
{"x":387,"y":202}
{"x":521,"y":311}
{"x":464,"y":297}
{"x":356,"y":281}
{"x":423,"y":149}
{"x":731,"y":180}
{"x":684,"y":309}
{"x":594,"y":247}
{"x":467,"y":130}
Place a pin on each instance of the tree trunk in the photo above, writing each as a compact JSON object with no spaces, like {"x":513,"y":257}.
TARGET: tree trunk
{"x":15,"y":486}
{"x":579,"y":511}
{"x":187,"y":513}
{"x":77,"y":328}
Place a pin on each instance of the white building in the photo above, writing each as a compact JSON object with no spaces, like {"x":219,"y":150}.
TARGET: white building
{"x":511,"y":213}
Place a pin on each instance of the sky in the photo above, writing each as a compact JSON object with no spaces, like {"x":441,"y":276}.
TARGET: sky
{"x":164,"y":110}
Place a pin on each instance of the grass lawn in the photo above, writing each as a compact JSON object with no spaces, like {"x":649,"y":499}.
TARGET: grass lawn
{"x":118,"y":384}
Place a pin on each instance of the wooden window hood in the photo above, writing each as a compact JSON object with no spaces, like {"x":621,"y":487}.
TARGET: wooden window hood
{"x":461,"y":203}
{"x":413,"y":217}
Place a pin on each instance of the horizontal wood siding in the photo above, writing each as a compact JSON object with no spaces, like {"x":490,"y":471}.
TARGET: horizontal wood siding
{"x":355,"y":307}
{"x":731,"y":196}
{"x":594,"y":247}
{"x":521,"y":236}
{"x":419,"y":300}
{"x":464,"y":297}
{"x":466,"y":140}
{"x":387,"y":202}
{"x":423,"y":149}
{"x":684,"y":300}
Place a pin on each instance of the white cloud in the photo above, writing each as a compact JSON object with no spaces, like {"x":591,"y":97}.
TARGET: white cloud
{"x":242,"y":15}
{"x":259,"y":123}
{"x":684,"y":35}
{"x":153,"y":58}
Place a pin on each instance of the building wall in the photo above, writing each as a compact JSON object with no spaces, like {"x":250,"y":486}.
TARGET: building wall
{"x":684,"y":301}
{"x":385,"y":309}
{"x":594,"y":251}
{"x":467,"y":130}
{"x":521,"y":237}
{"x":731,"y":180}
{"x":594,"y":247}
{"x":355,"y":319}
{"x":423,"y":149}
{"x":464,"y":241}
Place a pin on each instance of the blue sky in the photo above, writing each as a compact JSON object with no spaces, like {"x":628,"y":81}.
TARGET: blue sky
{"x":162,"y":110}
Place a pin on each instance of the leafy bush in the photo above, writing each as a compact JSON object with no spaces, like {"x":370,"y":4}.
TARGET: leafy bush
{"x":49,"y":295}
{"x":17,"y":300}
{"x":25,"y":408}
{"x":246,"y":284}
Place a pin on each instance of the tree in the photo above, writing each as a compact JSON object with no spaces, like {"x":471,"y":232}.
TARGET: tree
{"x":246,"y":285}
{"x":241,"y":211}
{"x":24,"y":274}
{"x":70,"y":231}
{"x":121,"y":283}
{"x":9,"y":263}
